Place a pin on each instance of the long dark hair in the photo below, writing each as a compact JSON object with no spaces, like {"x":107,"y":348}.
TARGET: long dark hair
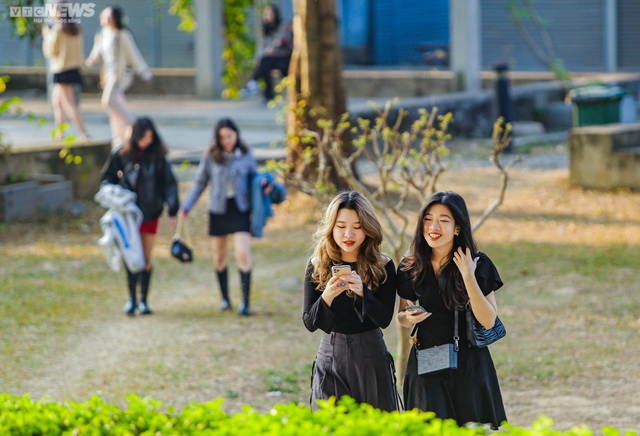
{"x":418,"y":259}
{"x":269,"y":28}
{"x":155,"y":152}
{"x":118,"y":14}
{"x":215,"y":149}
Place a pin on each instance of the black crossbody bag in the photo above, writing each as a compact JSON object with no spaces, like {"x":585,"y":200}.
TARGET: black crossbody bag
{"x":438,"y":358}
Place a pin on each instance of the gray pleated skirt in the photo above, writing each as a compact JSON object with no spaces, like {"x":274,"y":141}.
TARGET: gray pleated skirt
{"x":357,"y":365}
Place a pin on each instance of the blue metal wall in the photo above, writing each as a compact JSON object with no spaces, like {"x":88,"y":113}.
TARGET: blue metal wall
{"x":354,"y":27}
{"x":389,"y":33}
{"x":401,"y":26}
{"x":628,"y":35}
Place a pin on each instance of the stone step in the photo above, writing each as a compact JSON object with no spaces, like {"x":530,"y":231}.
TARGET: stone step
{"x":606,"y":156}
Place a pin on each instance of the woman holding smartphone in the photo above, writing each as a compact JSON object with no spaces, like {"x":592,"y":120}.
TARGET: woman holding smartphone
{"x":444,"y":271}
{"x":351,"y":306}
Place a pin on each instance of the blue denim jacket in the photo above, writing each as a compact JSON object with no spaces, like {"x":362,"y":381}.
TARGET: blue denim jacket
{"x":238,"y":169}
{"x":261,"y":204}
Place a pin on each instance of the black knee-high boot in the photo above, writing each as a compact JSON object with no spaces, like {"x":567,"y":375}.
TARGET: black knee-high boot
{"x":145,"y":280}
{"x":223,"y":281}
{"x":132,"y":282}
{"x":245,"y":281}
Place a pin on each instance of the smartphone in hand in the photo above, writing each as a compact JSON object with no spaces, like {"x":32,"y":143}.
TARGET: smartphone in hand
{"x":340,"y":270}
{"x":415,"y":309}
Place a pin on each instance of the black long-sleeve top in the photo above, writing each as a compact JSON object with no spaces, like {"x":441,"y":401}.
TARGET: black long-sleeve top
{"x":350,"y":315}
{"x":152,"y":180}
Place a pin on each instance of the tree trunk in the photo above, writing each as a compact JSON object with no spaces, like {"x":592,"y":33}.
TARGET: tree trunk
{"x":316,"y":89}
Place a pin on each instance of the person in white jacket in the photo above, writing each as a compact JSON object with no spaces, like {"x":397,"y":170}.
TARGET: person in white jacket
{"x":115,"y":48}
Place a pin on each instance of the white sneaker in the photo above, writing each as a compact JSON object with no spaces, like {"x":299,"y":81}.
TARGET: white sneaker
{"x":251,"y":89}
{"x":253,"y":86}
{"x":129,"y":308}
{"x":144,"y":309}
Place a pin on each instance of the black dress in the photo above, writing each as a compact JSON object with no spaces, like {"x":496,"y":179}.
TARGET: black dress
{"x":470,"y":393}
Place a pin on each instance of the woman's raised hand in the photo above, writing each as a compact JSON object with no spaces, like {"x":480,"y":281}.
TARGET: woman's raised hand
{"x":465,"y":261}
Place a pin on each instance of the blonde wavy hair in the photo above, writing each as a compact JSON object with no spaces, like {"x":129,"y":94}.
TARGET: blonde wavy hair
{"x":326,"y":253}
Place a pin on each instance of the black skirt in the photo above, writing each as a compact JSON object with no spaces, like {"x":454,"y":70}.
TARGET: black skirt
{"x":232,"y":221}
{"x":68,"y":77}
{"x":470,"y":393}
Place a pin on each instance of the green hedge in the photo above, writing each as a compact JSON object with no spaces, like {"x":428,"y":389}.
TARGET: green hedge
{"x":20,"y":415}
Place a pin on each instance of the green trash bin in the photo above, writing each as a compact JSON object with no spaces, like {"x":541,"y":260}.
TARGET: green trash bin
{"x":596,"y":105}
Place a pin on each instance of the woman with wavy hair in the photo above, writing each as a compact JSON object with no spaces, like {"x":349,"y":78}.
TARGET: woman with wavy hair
{"x":351,"y":309}
{"x":444,"y":271}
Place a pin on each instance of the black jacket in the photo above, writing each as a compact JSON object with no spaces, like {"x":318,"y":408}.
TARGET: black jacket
{"x":153,"y":181}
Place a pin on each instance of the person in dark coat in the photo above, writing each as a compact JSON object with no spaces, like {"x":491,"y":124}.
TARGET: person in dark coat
{"x":351,"y":309}
{"x":140,"y":165}
{"x":274,"y":52}
{"x":443,"y":271}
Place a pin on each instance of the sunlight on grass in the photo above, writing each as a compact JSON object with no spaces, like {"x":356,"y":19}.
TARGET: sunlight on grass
{"x":56,"y":250}
{"x":569,"y":259}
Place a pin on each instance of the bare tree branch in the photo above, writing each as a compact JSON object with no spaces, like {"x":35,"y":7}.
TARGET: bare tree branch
{"x":501,"y":140}
{"x":542,"y":29}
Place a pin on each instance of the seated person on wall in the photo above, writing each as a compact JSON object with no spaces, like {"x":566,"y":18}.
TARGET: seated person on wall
{"x":274,"y":52}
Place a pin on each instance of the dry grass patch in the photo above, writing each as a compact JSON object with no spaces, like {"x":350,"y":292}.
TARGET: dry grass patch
{"x":570,"y":304}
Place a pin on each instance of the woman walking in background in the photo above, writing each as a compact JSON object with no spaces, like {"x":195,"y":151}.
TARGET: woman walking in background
{"x":62,"y":45}
{"x":141,"y":166}
{"x":115,"y":48}
{"x":444,"y":272}
{"x":227,"y":165}
{"x":351,"y":309}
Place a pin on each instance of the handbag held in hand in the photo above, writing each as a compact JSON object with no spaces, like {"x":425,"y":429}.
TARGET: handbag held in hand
{"x":477,"y":335}
{"x":179,"y":248}
{"x":438,"y":358}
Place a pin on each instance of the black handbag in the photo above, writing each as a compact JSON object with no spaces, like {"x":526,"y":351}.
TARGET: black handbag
{"x":477,"y":335}
{"x":438,"y":358}
{"x":179,"y":248}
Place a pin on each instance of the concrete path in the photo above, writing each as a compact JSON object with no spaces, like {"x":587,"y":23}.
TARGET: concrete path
{"x":186,"y":124}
